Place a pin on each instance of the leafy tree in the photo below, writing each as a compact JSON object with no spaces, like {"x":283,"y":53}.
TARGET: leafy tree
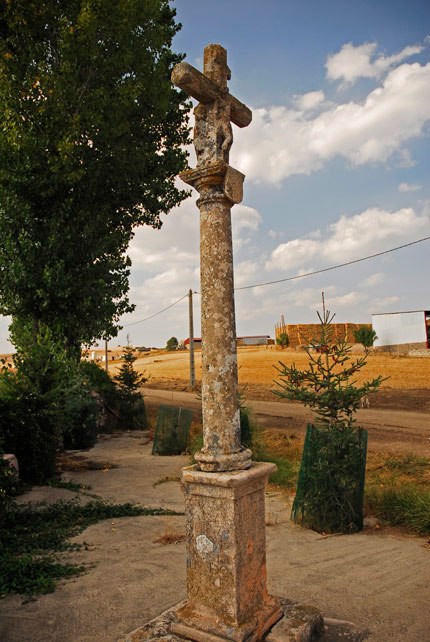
{"x":283,"y":340}
{"x":172,"y":344}
{"x":366,"y":336}
{"x":90,"y":144}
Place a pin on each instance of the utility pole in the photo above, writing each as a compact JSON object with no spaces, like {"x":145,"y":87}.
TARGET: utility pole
{"x":106,"y":356}
{"x":191,"y":337}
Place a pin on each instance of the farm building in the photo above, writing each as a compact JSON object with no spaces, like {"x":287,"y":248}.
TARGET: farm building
{"x":301,"y":334}
{"x":402,"y":331}
{"x":255,"y":340}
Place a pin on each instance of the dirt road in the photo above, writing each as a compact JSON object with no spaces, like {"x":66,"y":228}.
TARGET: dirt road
{"x":390,"y":430}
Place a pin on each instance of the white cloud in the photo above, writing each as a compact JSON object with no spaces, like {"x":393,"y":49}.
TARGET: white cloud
{"x":246,"y":272}
{"x":281,"y":142}
{"x":344,"y":301}
{"x":353,"y":62}
{"x":289,"y":255}
{"x":409,"y":187}
{"x":374,"y":279}
{"x":350,"y":238}
{"x":306,"y":102}
{"x":386,"y":302}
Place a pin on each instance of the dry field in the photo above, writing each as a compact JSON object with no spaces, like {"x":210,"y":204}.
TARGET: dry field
{"x":256,"y":367}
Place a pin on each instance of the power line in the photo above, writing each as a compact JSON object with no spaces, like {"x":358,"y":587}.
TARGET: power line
{"x":289,"y":278}
{"x":333,"y":267}
{"x":126,"y":325}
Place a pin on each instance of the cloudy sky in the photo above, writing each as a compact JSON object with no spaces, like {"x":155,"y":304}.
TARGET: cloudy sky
{"x":336,"y":162}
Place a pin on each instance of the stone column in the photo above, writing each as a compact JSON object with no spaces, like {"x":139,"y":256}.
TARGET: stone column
{"x":220,"y":186}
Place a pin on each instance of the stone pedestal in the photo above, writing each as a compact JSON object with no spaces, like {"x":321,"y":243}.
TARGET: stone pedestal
{"x":226,"y":556}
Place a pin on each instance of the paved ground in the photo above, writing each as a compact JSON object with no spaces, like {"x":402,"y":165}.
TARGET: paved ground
{"x":379,"y":583}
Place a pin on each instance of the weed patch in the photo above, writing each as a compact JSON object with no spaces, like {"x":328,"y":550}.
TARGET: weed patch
{"x":33,"y":544}
{"x":404,"y":505}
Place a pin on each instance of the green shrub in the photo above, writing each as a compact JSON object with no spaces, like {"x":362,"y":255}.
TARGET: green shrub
{"x":29,"y":428}
{"x":9,"y":486}
{"x":96,"y":378}
{"x":80,"y":417}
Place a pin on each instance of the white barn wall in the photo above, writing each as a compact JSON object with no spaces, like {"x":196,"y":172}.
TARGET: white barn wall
{"x":399,"y":328}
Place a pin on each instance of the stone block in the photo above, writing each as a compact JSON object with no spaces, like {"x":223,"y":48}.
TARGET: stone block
{"x":226,"y":556}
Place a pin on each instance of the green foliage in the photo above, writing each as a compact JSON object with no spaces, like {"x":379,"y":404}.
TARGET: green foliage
{"x":326,"y":385}
{"x":331,"y":481}
{"x":401,"y":504}
{"x":9,"y":486}
{"x":172,"y":344}
{"x":330,"y":487}
{"x":283,"y":340}
{"x":80,"y":414}
{"x":96,"y":378}
{"x":366,"y":336}
{"x":128,"y":379}
{"x":91,"y":142}
{"x":172,"y":430}
{"x":31,"y":404}
{"x":34,"y":536}
{"x":132,"y":406}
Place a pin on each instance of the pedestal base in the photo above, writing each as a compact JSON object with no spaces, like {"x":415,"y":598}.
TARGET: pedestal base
{"x":226,"y":556}
{"x":298,"y":623}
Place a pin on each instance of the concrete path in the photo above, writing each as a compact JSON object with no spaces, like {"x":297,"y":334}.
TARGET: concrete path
{"x":380,"y":583}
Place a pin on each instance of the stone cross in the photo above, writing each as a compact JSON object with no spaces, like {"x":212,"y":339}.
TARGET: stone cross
{"x":220,"y":186}
{"x":227,"y":598}
{"x":224,"y":492}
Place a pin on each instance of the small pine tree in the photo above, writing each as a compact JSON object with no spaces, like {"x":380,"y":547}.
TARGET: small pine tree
{"x":128,"y":380}
{"x":326,"y":385}
{"x":330,"y":488}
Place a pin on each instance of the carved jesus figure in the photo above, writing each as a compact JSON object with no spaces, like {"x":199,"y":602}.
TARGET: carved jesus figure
{"x":213,"y":134}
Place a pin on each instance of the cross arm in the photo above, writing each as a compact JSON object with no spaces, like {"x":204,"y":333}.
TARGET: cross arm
{"x":203,"y":89}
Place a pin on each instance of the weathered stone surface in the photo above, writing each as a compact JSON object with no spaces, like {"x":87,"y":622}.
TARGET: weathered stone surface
{"x":299,"y":623}
{"x":220,"y":186}
{"x":226,"y":555}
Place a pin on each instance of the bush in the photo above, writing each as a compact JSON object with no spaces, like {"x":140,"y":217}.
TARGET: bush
{"x":9,"y":486}
{"x":401,"y":504}
{"x":80,"y":417}
{"x":283,"y":340}
{"x":366,"y":336}
{"x":30,"y":431}
{"x":96,"y":378}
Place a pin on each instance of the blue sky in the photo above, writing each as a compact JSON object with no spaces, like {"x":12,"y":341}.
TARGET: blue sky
{"x":336,"y":162}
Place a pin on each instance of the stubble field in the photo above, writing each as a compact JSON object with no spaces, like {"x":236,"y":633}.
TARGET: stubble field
{"x":257,"y":367}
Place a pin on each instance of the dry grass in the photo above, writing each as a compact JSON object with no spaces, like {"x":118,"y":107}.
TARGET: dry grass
{"x":169,"y":536}
{"x":256,"y":366}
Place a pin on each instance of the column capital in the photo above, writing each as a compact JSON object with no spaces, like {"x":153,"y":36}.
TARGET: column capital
{"x":216,"y":174}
